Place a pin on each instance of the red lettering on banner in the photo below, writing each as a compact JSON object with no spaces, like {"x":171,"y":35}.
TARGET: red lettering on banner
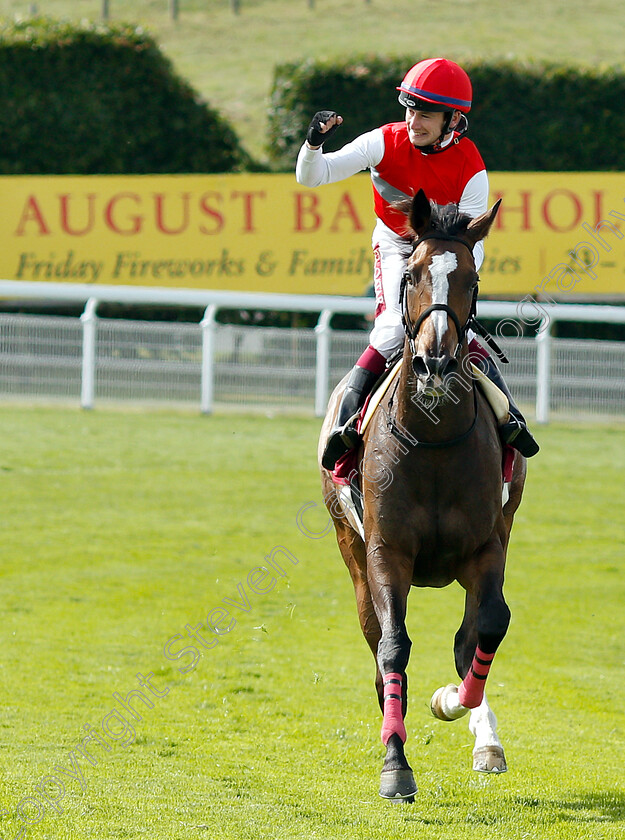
{"x":346,"y":209}
{"x":505,"y":208}
{"x":248,"y":207}
{"x":159,"y":199}
{"x":546,"y":210}
{"x":111,"y":223}
{"x":306,"y":206}
{"x":64,"y":215}
{"x":32,"y":213}
{"x":213,"y":213}
{"x":598,"y":195}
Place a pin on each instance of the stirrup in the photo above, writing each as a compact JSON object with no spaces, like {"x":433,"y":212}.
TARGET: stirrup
{"x":517,"y":435}
{"x":340,"y":440}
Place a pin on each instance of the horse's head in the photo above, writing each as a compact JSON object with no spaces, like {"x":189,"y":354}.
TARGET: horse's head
{"x":439,"y":288}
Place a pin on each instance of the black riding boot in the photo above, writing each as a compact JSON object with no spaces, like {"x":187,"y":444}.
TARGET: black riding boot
{"x":344,"y":436}
{"x":515,"y":431}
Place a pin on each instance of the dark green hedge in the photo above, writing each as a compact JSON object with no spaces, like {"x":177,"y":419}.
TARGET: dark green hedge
{"x":525,"y":117}
{"x":96,"y":99}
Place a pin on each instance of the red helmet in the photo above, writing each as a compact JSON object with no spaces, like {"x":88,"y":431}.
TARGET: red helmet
{"x":436,"y":84}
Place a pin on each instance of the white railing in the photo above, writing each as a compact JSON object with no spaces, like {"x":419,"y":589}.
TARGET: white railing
{"x":536,"y":374}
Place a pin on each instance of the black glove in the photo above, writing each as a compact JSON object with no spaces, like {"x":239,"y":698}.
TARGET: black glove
{"x":314,"y":136}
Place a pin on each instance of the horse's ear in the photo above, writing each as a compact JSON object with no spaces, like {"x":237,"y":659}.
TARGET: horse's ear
{"x":420,"y":213}
{"x":479,"y":227}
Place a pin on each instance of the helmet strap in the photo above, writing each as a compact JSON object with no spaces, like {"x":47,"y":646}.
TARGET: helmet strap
{"x":461,"y":129}
{"x":447,"y":118}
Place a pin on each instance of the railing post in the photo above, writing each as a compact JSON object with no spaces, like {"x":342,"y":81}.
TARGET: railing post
{"x":208,"y":325}
{"x":89,"y":328}
{"x":322,"y":369}
{"x":543,"y":371}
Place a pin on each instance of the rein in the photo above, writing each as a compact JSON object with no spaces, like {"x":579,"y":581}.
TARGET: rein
{"x":424,"y":444}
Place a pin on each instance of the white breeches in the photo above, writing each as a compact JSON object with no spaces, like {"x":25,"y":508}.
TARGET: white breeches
{"x":390,"y":255}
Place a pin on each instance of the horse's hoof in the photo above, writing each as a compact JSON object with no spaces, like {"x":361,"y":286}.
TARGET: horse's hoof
{"x":398,"y":785}
{"x":489,"y":760}
{"x":445,"y":705}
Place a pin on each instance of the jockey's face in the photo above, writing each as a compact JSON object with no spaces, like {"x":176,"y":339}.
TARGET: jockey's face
{"x":425,"y":127}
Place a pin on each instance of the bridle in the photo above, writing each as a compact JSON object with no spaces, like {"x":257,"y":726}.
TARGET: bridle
{"x":412,"y":328}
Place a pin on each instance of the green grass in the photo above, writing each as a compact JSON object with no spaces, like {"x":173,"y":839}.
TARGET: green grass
{"x":230,"y":58}
{"x":121,"y":528}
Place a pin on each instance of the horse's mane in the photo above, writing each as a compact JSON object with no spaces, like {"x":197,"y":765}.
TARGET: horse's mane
{"x":446,"y":219}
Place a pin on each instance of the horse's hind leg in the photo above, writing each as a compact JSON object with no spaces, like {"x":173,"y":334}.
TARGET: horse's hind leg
{"x":353,"y":552}
{"x":445,"y":704}
{"x":488,"y":754}
{"x":483,"y":627}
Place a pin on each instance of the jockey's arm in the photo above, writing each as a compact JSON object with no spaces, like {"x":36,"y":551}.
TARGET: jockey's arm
{"x":314,"y":168}
{"x":474,"y":202}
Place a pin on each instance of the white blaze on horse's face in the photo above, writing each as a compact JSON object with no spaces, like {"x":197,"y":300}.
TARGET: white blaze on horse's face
{"x":441,"y":267}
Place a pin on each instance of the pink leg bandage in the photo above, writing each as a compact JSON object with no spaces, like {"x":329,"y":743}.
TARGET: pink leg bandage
{"x":471,"y":689}
{"x":393,"y":722}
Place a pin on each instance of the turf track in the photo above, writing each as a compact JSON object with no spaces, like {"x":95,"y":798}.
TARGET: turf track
{"x":119,"y":529}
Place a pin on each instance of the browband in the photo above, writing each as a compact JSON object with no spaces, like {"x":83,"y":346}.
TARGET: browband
{"x":436,"y":234}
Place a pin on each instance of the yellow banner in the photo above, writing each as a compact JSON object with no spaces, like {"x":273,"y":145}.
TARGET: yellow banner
{"x":558,"y":234}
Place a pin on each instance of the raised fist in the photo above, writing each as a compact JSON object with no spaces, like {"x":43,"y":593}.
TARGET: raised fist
{"x":318,"y":132}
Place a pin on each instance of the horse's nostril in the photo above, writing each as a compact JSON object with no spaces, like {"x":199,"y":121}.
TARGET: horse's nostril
{"x":419,"y":366}
{"x":451,"y":366}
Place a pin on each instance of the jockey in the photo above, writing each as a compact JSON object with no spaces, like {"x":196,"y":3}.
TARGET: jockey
{"x":428,"y":150}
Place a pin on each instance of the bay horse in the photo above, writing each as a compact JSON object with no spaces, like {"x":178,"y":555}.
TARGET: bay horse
{"x":430,"y":471}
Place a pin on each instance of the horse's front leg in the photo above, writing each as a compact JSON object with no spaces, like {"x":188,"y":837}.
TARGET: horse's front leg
{"x":483,"y":628}
{"x":389,"y":582}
